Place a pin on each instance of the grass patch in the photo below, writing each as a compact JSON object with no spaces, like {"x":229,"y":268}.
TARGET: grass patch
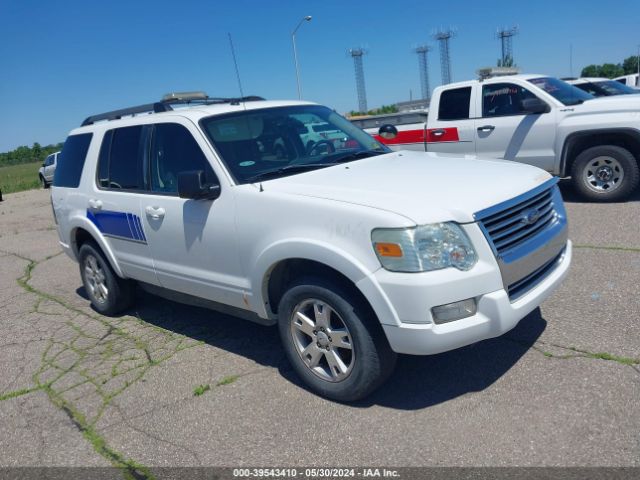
{"x":201,"y":389}
{"x":18,"y":393}
{"x":227,"y":380}
{"x":16,"y":178}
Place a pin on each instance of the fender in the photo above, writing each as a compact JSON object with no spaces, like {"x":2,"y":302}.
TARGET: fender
{"x":572,"y":138}
{"x":78,"y":221}
{"x":321,"y":252}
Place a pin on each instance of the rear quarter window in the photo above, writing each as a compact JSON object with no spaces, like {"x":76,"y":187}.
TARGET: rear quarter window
{"x":71,"y":161}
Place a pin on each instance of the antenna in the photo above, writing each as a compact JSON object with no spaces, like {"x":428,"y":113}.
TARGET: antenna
{"x":235,"y":62}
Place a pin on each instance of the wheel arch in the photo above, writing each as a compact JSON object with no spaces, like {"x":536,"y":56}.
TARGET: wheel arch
{"x":83,"y":231}
{"x":283,"y":263}
{"x":578,"y":142}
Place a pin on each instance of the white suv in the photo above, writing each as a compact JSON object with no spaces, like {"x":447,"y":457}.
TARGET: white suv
{"x":357,"y":253}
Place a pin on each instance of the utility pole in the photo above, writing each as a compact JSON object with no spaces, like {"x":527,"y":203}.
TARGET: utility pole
{"x":357,"y":54}
{"x":422,"y":51}
{"x":443,"y":38}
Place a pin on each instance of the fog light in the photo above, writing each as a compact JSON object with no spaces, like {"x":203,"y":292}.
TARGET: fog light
{"x":454,"y":311}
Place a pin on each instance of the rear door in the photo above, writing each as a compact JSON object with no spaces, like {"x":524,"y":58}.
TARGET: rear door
{"x":451,"y":128}
{"x":505,"y":130}
{"x":114,"y":204}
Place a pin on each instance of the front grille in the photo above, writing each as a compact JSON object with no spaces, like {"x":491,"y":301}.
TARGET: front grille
{"x":521,"y":287}
{"x":514,"y":225}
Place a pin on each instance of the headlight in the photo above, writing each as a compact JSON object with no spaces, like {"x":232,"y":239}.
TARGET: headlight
{"x":423,"y":248}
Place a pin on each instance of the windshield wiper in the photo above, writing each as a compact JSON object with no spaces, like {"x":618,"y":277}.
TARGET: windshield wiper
{"x":285,"y":169}
{"x":357,"y":155}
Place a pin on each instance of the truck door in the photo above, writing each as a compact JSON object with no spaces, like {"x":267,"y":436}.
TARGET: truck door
{"x":451,"y":128}
{"x":504,"y":129}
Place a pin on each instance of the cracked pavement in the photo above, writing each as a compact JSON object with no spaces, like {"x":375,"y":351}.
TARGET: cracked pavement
{"x":80,"y":389}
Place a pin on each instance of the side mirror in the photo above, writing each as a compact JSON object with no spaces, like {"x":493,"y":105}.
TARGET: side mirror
{"x":388,"y":132}
{"x":191,"y":185}
{"x":535,"y":105}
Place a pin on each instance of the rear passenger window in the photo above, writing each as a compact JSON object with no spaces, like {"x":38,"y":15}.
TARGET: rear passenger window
{"x":71,"y":161}
{"x":120,"y":161}
{"x":454,"y":104}
{"x":174,"y":150}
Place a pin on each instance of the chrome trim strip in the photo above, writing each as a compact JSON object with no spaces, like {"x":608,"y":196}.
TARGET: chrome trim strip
{"x":487,"y":212}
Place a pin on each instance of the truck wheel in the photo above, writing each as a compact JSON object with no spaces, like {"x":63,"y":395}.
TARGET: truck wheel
{"x":109,"y":294}
{"x":332,"y":341}
{"x":43,"y":182}
{"x":606,"y":173}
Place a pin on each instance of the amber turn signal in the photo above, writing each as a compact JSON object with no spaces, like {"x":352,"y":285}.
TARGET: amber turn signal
{"x":388,"y":249}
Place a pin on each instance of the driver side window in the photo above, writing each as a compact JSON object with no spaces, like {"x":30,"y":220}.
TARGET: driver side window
{"x":174,"y":150}
{"x":502,"y":99}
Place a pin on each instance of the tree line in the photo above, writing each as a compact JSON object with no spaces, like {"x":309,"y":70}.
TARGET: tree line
{"x":377,"y":111}
{"x":611,"y":70}
{"x":24,"y":154}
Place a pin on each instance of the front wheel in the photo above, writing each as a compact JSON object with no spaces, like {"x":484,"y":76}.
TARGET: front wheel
{"x":605,"y":173}
{"x":43,"y":182}
{"x":333,"y":341}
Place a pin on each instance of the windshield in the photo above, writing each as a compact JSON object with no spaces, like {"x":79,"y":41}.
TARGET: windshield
{"x":562,"y":91}
{"x":282,"y":141}
{"x":615,"y":88}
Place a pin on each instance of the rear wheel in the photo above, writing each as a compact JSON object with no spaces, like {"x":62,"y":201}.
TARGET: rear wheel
{"x":109,"y":294}
{"x":333,"y":341}
{"x":606,"y":173}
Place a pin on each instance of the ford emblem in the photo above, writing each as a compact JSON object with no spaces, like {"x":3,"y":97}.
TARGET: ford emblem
{"x":531,"y":216}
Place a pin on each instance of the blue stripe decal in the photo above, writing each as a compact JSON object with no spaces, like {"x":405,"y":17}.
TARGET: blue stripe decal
{"x":123,"y":225}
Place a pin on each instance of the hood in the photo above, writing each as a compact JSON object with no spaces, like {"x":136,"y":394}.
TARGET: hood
{"x":424,"y":187}
{"x":614,"y":103}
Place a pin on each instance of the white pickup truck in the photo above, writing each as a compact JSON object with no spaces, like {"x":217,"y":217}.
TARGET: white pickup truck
{"x":531,"y":119}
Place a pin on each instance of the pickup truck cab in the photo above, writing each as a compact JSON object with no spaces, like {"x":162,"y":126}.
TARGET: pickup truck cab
{"x":537,"y":120}
{"x":356,"y":252}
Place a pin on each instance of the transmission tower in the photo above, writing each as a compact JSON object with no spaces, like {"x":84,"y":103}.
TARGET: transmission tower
{"x":443,"y":38}
{"x":357,"y":54}
{"x":506,"y":39}
{"x":422,"y":51}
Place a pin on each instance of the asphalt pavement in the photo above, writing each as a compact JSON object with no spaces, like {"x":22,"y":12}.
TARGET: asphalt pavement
{"x":80,"y":389}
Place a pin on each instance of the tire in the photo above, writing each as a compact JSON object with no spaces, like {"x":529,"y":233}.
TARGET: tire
{"x":43,"y":182}
{"x":369,"y":361}
{"x":595,"y":170}
{"x":96,"y":270}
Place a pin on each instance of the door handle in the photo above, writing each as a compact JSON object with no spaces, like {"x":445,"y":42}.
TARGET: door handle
{"x":154,"y":212}
{"x":486,"y":128}
{"x":95,"y":204}
{"x":438,"y":132}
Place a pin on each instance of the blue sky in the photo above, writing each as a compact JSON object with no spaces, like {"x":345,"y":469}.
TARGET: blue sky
{"x":64,"y":60}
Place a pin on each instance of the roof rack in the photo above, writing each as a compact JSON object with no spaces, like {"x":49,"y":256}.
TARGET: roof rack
{"x":165,"y":105}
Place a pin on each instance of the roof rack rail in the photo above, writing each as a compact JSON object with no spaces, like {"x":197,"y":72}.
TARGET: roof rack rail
{"x":165,"y":105}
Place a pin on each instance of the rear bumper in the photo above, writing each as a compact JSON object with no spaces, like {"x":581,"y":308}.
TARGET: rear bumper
{"x":496,"y":315}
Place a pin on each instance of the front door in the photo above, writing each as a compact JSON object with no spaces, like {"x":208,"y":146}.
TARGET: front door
{"x":193,"y":242}
{"x":505,"y":130}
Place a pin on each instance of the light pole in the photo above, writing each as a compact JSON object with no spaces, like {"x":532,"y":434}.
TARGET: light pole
{"x":295,"y":53}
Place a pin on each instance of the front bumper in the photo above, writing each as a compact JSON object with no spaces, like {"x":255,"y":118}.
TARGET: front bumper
{"x":496,"y":315}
